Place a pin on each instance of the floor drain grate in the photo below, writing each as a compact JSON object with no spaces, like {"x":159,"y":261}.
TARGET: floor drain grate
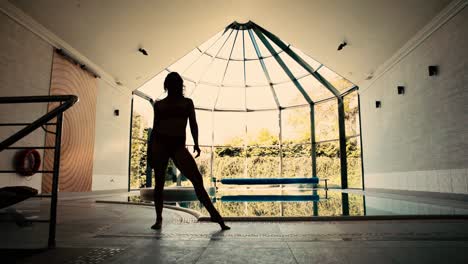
{"x":96,"y":255}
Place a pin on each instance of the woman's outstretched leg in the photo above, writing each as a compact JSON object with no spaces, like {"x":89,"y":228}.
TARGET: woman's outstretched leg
{"x":188,"y":167}
{"x":158,"y":199}
{"x":160,"y":160}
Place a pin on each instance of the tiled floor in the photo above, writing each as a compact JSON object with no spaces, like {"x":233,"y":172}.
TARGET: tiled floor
{"x":90,"y":232}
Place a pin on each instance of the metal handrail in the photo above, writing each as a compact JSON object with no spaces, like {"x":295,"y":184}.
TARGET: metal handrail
{"x":66,"y":101}
{"x":69,"y":101}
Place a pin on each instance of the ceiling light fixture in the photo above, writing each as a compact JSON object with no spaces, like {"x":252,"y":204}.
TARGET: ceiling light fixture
{"x":342,"y":45}
{"x":143,"y":51}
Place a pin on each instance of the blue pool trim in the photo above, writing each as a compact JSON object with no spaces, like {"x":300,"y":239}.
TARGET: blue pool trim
{"x":269,"y":198}
{"x":251,"y":181}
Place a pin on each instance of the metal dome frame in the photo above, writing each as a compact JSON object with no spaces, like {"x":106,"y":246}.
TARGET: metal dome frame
{"x":266,"y":39}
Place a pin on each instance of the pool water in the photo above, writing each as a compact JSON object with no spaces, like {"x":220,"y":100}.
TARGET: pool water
{"x":280,"y":202}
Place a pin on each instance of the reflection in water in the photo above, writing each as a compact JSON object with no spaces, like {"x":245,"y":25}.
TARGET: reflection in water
{"x":331,"y":203}
{"x":312,"y":203}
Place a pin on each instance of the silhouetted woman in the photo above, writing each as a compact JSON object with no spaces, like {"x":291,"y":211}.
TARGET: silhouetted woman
{"x":168,"y":141}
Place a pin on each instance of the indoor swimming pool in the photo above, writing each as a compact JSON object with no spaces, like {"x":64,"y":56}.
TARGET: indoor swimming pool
{"x":307,"y":202}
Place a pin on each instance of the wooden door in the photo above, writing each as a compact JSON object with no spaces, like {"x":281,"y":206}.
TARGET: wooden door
{"x":78,"y":134}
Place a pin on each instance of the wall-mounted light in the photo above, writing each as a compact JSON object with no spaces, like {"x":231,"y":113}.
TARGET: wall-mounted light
{"x":378,"y":104}
{"x":401,"y":89}
{"x":433,"y":70}
{"x":116,"y":112}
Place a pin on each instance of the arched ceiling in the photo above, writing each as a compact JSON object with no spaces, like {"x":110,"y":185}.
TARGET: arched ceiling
{"x":109,"y":33}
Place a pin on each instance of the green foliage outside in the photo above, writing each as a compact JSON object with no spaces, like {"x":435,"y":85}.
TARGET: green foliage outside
{"x":138,"y":153}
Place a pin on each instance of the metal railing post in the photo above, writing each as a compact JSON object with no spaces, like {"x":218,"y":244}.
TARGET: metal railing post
{"x":55,"y":183}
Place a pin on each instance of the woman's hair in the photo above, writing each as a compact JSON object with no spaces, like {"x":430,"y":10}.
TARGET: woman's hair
{"x":174,"y":84}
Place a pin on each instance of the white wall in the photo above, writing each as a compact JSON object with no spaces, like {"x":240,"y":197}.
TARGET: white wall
{"x":419,"y":141}
{"x":110,"y":169}
{"x":25,"y":68}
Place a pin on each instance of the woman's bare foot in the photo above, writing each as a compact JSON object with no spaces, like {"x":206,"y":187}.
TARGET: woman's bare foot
{"x":157,"y":226}
{"x":221,"y":223}
{"x":224,"y":226}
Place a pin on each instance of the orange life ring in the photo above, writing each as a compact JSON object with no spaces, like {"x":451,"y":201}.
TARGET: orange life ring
{"x":27,"y":162}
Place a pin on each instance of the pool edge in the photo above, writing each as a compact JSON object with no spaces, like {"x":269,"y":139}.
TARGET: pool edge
{"x":202,"y":218}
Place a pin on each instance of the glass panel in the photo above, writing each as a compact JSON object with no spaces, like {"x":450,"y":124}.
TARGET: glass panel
{"x":211,"y":41}
{"x":225,"y":51}
{"x":263,"y":128}
{"x":188,"y":88}
{"x":353,"y":145}
{"x":238,"y":51}
{"x":229,"y":128}
{"x":197,"y":69}
{"x":213,"y":50}
{"x":142,"y":120}
{"x":297,"y":161}
{"x":182,"y":64}
{"x":154,"y":87}
{"x":263,"y":162}
{"x":250,"y":53}
{"x":313,"y":63}
{"x":351,"y":109}
{"x":254,"y":73}
{"x":203,"y":163}
{"x":296,"y":69}
{"x":215,"y":72}
{"x":353,"y":157}
{"x":144,"y":109}
{"x":289,"y":95}
{"x":326,"y":121}
{"x":204,"y":121}
{"x":260,"y":97}
{"x":229,"y":162}
{"x":204,"y":96}
{"x":340,"y":83}
{"x":277,"y":74}
{"x":315,"y":89}
{"x":234,"y":74}
{"x":328,"y":162}
{"x":296,"y":125}
{"x":231,"y":98}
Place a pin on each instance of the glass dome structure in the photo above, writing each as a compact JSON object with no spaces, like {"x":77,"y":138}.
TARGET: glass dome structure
{"x":260,"y":100}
